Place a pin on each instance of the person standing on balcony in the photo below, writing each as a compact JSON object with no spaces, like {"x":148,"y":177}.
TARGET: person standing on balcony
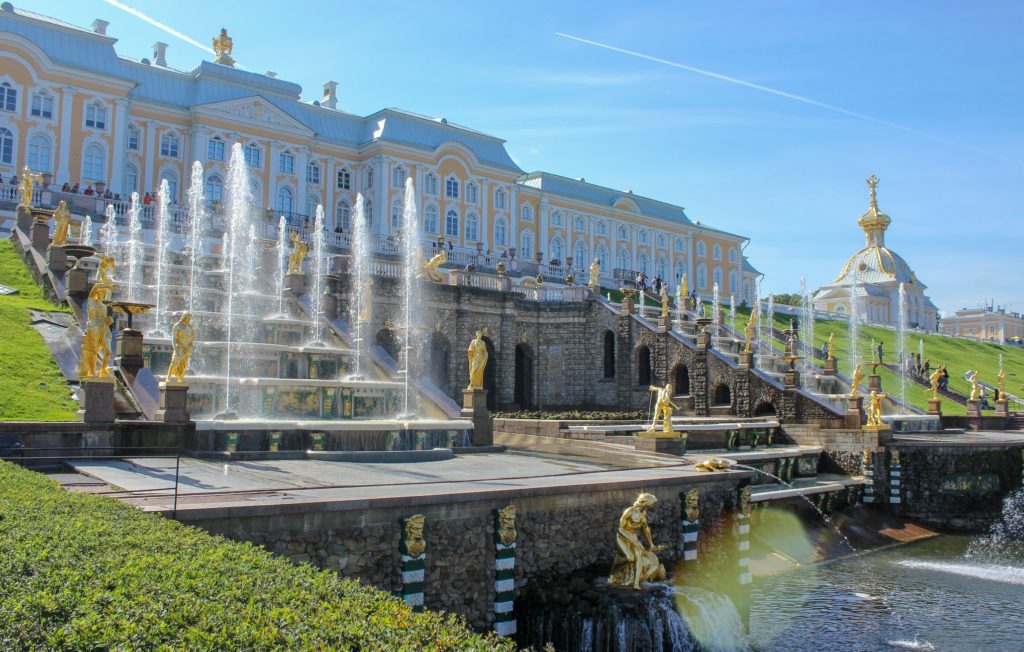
{"x":88,"y":191}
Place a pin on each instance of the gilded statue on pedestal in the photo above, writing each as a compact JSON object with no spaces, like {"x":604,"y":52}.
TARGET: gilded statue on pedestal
{"x":831,"y":345}
{"x":431,"y":266}
{"x":105,"y":271}
{"x":297,"y":255}
{"x":934,"y":379}
{"x":96,"y":350}
{"x":595,"y":272}
{"x":975,"y":387}
{"x":875,"y":408}
{"x":692,"y":498}
{"x":664,"y":301}
{"x":477,"y":361}
{"x":62,"y":222}
{"x":507,"y":525}
{"x":1001,"y":381}
{"x":684,"y":293}
{"x":27,"y":183}
{"x":413,"y":535}
{"x":858,"y":375}
{"x":750,"y":330}
{"x":183,"y":337}
{"x":222,"y":47}
{"x":663,"y":408}
{"x":637,"y":562}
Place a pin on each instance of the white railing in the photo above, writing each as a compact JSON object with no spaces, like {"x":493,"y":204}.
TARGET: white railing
{"x":551,"y":295}
{"x":482,"y":281}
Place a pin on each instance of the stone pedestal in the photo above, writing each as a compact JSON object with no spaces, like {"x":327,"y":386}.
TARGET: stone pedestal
{"x":129,"y":351}
{"x":935,"y":406}
{"x":974,"y":409}
{"x":40,"y":235}
{"x":664,"y":323}
{"x":595,"y":290}
{"x":97,"y":401}
{"x":791,"y":380}
{"x":24,"y":220}
{"x":1002,"y":408}
{"x":173,"y":403}
{"x":875,"y":383}
{"x":474,"y":407}
{"x":831,"y":368}
{"x":628,"y":304}
{"x":657,"y":441}
{"x":703,"y":341}
{"x":58,"y":259}
{"x":295,"y":283}
{"x":854,"y":411}
{"x":746,"y":360}
{"x":78,"y":282}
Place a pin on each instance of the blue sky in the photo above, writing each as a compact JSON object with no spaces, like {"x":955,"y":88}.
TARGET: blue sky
{"x":788,"y":175}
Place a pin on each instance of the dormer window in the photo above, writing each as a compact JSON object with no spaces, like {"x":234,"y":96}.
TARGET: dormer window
{"x":42,"y":106}
{"x":96,"y":116}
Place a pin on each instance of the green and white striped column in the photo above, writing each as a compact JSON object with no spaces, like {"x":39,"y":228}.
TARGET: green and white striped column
{"x":869,"y":476}
{"x":691,"y":524}
{"x":743,"y":536}
{"x":414,"y":555}
{"x":505,"y":536}
{"x":895,"y":477}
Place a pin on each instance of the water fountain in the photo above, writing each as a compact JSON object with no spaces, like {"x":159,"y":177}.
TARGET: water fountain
{"x":108,"y":233}
{"x":359,"y":270}
{"x":757,"y":333}
{"x":411,"y":262}
{"x":317,"y":268}
{"x":136,"y":239}
{"x":732,"y":312}
{"x":769,"y":328}
{"x":282,"y":266}
{"x":854,"y":330}
{"x":196,"y":229}
{"x":86,"y":232}
{"x":901,"y":342}
{"x":163,"y":242}
{"x":716,"y":316}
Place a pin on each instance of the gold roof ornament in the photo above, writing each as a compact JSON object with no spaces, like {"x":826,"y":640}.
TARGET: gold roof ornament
{"x":874,"y":222}
{"x":222,"y":47}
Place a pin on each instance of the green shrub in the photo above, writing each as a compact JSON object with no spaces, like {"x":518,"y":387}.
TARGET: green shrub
{"x":85,"y":572}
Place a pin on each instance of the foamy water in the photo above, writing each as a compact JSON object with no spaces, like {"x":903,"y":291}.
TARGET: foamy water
{"x":912,"y":645}
{"x":990,"y":572}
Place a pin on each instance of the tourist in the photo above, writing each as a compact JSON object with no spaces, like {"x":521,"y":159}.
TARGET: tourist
{"x":14,"y":180}
{"x":944,"y":379}
{"x":147,"y":199}
{"x":108,"y":194}
{"x":878,"y":349}
{"x":657,"y":285}
{"x":74,"y":189}
{"x":925,"y":368}
{"x":66,"y":187}
{"x":89,"y":192}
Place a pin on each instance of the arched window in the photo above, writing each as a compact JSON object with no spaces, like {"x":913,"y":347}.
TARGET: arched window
{"x":716,"y":252}
{"x":451,"y":187}
{"x":722,"y":396}
{"x":602,"y":259}
{"x":451,"y":224}
{"x":732,"y":255}
{"x":622,"y":260}
{"x":169,"y":144}
{"x":96,"y":116}
{"x":526,"y":245}
{"x":579,"y":223}
{"x":397,"y":177}
{"x":526,"y":213}
{"x":430,"y":216}
{"x":313,"y":173}
{"x":717,"y":275}
{"x":8,"y":97}
{"x":556,"y":218}
{"x":643,"y":366}
{"x":131,"y":179}
{"x":94,"y":163}
{"x":39,"y":153}
{"x":556,"y":249}
{"x":642,"y":264}
{"x":472,"y":227}
{"x":344,"y":179}
{"x":284,"y":200}
{"x":312,"y":201}
{"x":580,"y":254}
{"x":430,"y":184}
{"x":254,"y":156}
{"x":396,"y":213}
{"x":500,"y":199}
{"x":602,"y":228}
{"x":214,"y":190}
{"x":609,"y":354}
{"x":702,"y":249}
{"x":368,"y":212}
{"x":500,"y":232}
{"x":472,"y":193}
{"x":733,"y":285}
{"x":343,"y":215}
{"x":661,"y":269}
{"x":702,"y":276}
{"x":623,"y":233}
{"x":680,"y":269}
{"x":681,"y":380}
{"x":172,"y":184}
{"x":6,"y":146}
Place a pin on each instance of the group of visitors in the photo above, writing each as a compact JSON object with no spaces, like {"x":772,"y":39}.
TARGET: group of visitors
{"x":641,"y":283}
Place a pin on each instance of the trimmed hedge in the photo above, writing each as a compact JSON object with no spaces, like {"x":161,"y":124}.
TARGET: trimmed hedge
{"x":85,"y":572}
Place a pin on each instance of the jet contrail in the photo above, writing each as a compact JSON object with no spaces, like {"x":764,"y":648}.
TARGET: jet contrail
{"x":156,"y":23}
{"x":775,"y":91}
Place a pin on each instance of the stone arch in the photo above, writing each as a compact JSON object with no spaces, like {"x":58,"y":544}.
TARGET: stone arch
{"x":608,"y":343}
{"x":722,"y":395}
{"x":387,"y":339}
{"x":439,"y":356}
{"x":681,"y":379}
{"x":643,"y":366}
{"x":765,"y":409}
{"x":523,"y":393}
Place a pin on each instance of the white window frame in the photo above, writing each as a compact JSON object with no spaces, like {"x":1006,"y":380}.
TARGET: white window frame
{"x":45,"y":108}
{"x":343,"y":215}
{"x":96,"y":116}
{"x":35,"y":147}
{"x":94,"y":163}
{"x":285,"y":200}
{"x":253,"y":156}
{"x":170,"y":145}
{"x":132,"y":139}
{"x":343,"y":179}
{"x":7,"y":147}
{"x":451,"y":188}
{"x":472,"y":227}
{"x":8,"y":97}
{"x":450,"y":215}
{"x":215,"y":149}
{"x":313,"y":173}
{"x":431,"y":220}
{"x":500,"y":232}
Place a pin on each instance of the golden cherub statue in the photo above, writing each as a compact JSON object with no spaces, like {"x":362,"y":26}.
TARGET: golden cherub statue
{"x":933,"y":379}
{"x":183,"y":337}
{"x":875,"y":408}
{"x":431,"y":266}
{"x":477,"y":361}
{"x":62,"y":222}
{"x":595,"y":272}
{"x":975,"y":387}
{"x":750,"y":330}
{"x":96,"y":350}
{"x":663,"y":407}
{"x":640,"y":564}
{"x":298,"y":254}
{"x":831,"y":345}
{"x":858,"y":375}
{"x":27,"y":183}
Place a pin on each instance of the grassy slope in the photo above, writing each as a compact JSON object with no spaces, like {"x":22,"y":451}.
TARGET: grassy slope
{"x":31,"y":385}
{"x":86,"y":572}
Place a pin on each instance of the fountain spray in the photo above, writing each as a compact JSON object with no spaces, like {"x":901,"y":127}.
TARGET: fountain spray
{"x":85,"y":235}
{"x":163,"y":242}
{"x":136,"y":239}
{"x":359,"y":284}
{"x":282,"y":263}
{"x":716,"y":316}
{"x":317,"y":269}
{"x":411,"y":256}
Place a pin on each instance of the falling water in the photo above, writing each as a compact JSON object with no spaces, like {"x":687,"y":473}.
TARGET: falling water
{"x":716,"y":315}
{"x":769,"y":325}
{"x":359,"y":283}
{"x":196,"y":226}
{"x":282,"y":264}
{"x":756,"y":347}
{"x":854,"y":330}
{"x":920,"y":349}
{"x":732,"y":311}
{"x":317,"y":269}
{"x":807,"y":335}
{"x":135,"y":241}
{"x":411,"y":256}
{"x":108,"y":233}
{"x":85,"y":235}
{"x":901,"y":342}
{"x":163,"y":241}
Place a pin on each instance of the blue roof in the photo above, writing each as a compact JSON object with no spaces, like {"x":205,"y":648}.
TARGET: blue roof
{"x":601,"y":195}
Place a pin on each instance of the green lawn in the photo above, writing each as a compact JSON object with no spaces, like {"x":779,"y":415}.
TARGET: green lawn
{"x":87,"y":572}
{"x":31,"y":385}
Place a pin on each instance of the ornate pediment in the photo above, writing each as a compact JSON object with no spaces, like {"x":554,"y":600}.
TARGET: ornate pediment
{"x":254,"y":111}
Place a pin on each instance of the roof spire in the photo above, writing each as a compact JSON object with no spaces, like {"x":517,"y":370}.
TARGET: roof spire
{"x":874,"y":222}
{"x":872,"y":182}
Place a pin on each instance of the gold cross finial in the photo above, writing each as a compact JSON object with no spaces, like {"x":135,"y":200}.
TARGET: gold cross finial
{"x":872,"y":184}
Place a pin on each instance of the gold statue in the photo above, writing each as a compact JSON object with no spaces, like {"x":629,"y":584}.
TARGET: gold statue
{"x":365,"y":300}
{"x":477,"y":361}
{"x":684,"y":292}
{"x":858,"y":375}
{"x":934,"y":380}
{"x":431,"y":266}
{"x":664,"y":300}
{"x":975,"y":388}
{"x":1001,"y":381}
{"x":28,"y":181}
{"x":713,"y":464}
{"x":745,"y":500}
{"x":875,"y":408}
{"x":640,"y":563}
{"x":831,"y":345}
{"x":222,"y":47}
{"x":692,"y":498}
{"x":894,"y":456}
{"x":750,"y":330}
{"x":105,"y":271}
{"x":663,"y":407}
{"x":507,"y":525}
{"x":868,"y":457}
{"x":96,"y":350}
{"x":298,"y":254}
{"x":595,"y":272}
{"x":62,"y":220}
{"x":413,"y":539}
{"x":872,"y":184}
{"x":183,"y":337}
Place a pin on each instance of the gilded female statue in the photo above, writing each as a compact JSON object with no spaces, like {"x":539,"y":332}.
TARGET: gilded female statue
{"x":858,"y":375}
{"x":875,"y":408}
{"x":298,"y":254}
{"x":664,"y":301}
{"x":477,"y":361}
{"x":96,"y":350}
{"x":975,"y":387}
{"x":934,"y":380}
{"x":27,"y":183}
{"x":62,"y":221}
{"x":750,"y":330}
{"x":684,"y":293}
{"x":831,"y":345}
{"x":595,"y":271}
{"x":640,"y":564}
{"x":183,"y":337}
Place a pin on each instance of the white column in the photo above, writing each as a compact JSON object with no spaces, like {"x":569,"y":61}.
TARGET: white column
{"x":63,"y":165}
{"x":513,"y":219}
{"x":147,"y":182}
{"x":382,"y":212}
{"x":273,"y":168}
{"x":198,"y":151}
{"x":301,"y":161}
{"x":119,"y":131}
{"x":485,"y":213}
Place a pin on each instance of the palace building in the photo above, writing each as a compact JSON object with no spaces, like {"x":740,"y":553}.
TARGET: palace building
{"x":79,"y":113}
{"x":986,"y":322}
{"x":871,"y":280}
